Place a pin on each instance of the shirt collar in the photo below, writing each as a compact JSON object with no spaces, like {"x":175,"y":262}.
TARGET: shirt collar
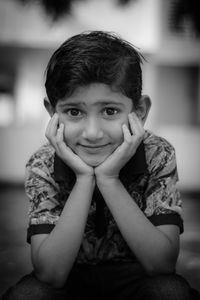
{"x":135,"y":166}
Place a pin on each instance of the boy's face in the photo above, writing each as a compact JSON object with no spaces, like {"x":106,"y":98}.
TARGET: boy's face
{"x":93,"y":116}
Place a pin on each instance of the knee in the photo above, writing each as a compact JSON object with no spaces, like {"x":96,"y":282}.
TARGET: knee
{"x":31,"y":288}
{"x":165,"y":287}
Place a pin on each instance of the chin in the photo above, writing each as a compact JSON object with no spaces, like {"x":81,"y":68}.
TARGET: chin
{"x":92,"y":162}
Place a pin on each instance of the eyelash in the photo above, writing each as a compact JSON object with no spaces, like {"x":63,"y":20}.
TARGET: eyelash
{"x":113,"y":109}
{"x":68,"y":111}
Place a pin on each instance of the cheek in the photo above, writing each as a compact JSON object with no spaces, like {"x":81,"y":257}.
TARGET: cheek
{"x":71,"y":130}
{"x":70,"y":133}
{"x":116,"y":132}
{"x":116,"y":129}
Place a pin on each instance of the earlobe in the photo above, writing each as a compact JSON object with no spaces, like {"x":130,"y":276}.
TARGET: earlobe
{"x":143,"y":108}
{"x":50,"y":109}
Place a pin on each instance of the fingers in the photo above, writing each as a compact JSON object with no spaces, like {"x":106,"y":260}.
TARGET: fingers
{"x":59,"y":140}
{"x":126,"y":143}
{"x":127,"y":134}
{"x":60,"y":133}
{"x":131,"y":141}
{"x":136,"y":125}
{"x":52,"y":127}
{"x":55,"y":134}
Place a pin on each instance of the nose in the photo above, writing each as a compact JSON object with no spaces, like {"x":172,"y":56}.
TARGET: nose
{"x":92,"y":130}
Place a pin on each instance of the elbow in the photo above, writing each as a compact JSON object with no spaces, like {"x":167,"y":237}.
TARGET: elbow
{"x":162,"y":268}
{"x":162,"y":265}
{"x":53,"y":279}
{"x":50,"y":273}
{"x":58,"y":282}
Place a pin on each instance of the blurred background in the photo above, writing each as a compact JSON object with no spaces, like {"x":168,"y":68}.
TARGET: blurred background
{"x":168,"y":35}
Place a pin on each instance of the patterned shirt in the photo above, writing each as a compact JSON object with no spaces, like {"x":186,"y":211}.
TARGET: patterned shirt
{"x":150,"y":177}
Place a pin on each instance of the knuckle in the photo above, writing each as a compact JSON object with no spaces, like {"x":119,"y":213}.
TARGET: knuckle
{"x":129,"y":142}
{"x":58,"y":141}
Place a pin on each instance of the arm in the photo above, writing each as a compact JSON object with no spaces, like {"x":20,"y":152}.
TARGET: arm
{"x":54,"y":254}
{"x":155,"y":247}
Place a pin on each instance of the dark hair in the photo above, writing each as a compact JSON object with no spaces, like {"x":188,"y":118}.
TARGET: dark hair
{"x":94,"y":57}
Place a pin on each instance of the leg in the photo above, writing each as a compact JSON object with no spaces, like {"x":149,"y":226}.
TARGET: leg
{"x":129,"y":281}
{"x":30,"y":288}
{"x":165,"y":287}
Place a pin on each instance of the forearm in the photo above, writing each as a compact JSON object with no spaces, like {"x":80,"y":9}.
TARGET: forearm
{"x":150,"y":245}
{"x":57,"y":253}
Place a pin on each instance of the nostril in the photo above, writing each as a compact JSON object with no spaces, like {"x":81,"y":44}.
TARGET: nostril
{"x":92,"y":133}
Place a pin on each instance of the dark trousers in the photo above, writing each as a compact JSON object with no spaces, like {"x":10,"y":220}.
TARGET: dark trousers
{"x":118,"y":281}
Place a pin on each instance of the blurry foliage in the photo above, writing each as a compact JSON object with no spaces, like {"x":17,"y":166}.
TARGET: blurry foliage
{"x":183,"y":9}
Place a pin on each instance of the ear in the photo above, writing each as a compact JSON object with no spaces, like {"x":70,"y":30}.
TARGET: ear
{"x":50,"y":109}
{"x":143,"y":107}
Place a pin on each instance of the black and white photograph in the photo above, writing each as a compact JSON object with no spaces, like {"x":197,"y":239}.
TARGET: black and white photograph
{"x":99,"y":150}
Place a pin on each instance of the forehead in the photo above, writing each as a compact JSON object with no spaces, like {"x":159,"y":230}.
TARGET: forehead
{"x":94,"y":94}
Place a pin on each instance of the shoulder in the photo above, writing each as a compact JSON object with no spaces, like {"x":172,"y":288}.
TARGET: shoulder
{"x":43,"y":154}
{"x":42,"y":159}
{"x":159,"y":152}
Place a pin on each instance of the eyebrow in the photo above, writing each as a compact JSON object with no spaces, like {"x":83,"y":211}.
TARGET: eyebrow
{"x":81,"y":103}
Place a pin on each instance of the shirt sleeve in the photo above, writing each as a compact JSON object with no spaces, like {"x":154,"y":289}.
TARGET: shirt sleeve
{"x":42,"y":191}
{"x":163,"y":202}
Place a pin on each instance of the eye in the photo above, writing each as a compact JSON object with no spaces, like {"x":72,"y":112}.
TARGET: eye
{"x":110,"y":111}
{"x":73,"y":112}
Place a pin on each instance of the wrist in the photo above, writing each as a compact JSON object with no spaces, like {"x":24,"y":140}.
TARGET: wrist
{"x":85,"y":178}
{"x":107,"y":180}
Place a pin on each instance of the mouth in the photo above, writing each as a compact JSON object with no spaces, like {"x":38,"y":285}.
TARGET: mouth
{"x":93,"y":148}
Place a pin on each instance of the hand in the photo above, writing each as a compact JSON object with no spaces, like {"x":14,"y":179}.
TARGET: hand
{"x":111,"y":167}
{"x":55,"y":135}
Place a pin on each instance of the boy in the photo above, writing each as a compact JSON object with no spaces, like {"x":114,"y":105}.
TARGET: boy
{"x":105,"y":214}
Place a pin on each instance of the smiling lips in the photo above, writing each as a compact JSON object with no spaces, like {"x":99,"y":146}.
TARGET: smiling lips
{"x":93,"y":148}
{"x":96,"y":146}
